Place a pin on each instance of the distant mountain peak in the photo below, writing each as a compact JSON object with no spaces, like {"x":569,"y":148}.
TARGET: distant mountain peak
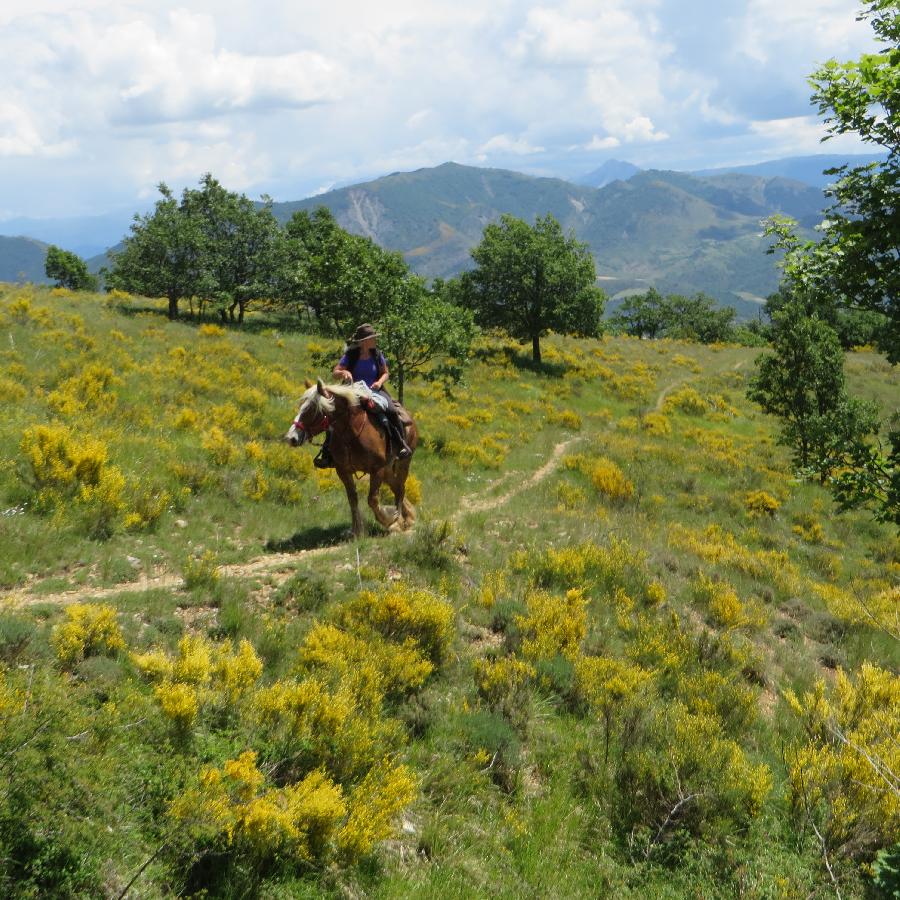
{"x":611,"y":170}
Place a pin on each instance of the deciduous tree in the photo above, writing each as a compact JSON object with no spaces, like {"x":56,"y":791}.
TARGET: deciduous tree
{"x":69,"y":270}
{"x":530,"y":279}
{"x":419,"y":329}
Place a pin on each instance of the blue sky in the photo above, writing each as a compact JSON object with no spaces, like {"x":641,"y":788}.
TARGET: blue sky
{"x":100,"y":101}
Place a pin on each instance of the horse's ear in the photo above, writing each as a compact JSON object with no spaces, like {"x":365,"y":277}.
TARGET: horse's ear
{"x":321,"y":387}
{"x":308,"y":383}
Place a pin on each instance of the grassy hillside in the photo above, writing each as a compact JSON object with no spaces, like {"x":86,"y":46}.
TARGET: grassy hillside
{"x":573,"y":677}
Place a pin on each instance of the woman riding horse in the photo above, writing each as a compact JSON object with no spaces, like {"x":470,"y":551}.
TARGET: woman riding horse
{"x":363,"y":361}
{"x":358,"y":446}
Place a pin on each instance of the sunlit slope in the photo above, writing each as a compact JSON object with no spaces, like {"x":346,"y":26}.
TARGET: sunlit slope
{"x":575,"y":671}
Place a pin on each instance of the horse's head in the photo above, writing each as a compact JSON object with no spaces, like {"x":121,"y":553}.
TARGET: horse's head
{"x":312,"y":417}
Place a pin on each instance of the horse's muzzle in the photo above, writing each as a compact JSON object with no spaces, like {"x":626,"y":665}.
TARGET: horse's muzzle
{"x":295,"y":437}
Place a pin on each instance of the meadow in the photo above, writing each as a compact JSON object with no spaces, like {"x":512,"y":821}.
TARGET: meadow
{"x":623,"y":651}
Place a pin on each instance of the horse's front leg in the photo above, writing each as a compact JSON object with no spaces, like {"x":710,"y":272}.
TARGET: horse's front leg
{"x":375,"y":481}
{"x":349,"y":483}
{"x":406,"y":512}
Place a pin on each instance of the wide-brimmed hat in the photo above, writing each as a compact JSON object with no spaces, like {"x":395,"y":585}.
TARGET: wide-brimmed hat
{"x":364,"y":332}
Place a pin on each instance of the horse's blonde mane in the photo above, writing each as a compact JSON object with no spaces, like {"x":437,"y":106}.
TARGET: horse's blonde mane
{"x":325,"y":405}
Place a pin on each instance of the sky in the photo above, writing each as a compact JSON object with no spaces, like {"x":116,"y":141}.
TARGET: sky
{"x":101,"y":101}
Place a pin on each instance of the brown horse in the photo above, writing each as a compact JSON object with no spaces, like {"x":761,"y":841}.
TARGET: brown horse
{"x":356,"y":446}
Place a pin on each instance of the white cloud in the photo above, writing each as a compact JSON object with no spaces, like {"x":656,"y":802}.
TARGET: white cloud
{"x":503,"y":143}
{"x":803,"y":134}
{"x":599,"y":143}
{"x":291,"y":97}
{"x":812,"y":30}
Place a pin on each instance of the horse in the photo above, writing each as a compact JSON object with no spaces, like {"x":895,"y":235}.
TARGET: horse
{"x":357,"y":445}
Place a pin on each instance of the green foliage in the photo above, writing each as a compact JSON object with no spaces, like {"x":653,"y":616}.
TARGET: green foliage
{"x":69,"y":270}
{"x":802,"y":382}
{"x":418,"y":328}
{"x":856,"y":260}
{"x":696,"y":318}
{"x":343,"y":278}
{"x":214,"y":245}
{"x":530,"y":279}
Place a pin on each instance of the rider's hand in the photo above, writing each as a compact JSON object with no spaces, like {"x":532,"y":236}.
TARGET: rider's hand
{"x":346,"y":377}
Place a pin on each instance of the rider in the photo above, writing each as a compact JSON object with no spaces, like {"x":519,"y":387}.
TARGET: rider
{"x":363,"y":361}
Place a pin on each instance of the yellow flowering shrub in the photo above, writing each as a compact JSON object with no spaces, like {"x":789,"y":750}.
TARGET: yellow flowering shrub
{"x":656,"y":424}
{"x":588,"y":566}
{"x":603,"y":682}
{"x":222,"y":451}
{"x":338,"y":726}
{"x":686,"y":400}
{"x":843,"y":770}
{"x":729,"y":698}
{"x":374,"y":804}
{"x":720,"y":451}
{"x":808,"y":528}
{"x":256,"y":486}
{"x":725,"y":607}
{"x":402,"y":667}
{"x":605,"y":475}
{"x":89,"y":629}
{"x":178,"y":702}
{"x":200,"y":570}
{"x":400,"y":613}
{"x":761,"y":503}
{"x":682,"y":760}
{"x":553,"y":625}
{"x":493,"y":588}
{"x":88,"y":390}
{"x":570,"y":496}
{"x":502,"y":681}
{"x":58,"y":461}
{"x":230,"y":804}
{"x":716,"y":545}
{"x":565,"y":418}
{"x":236,"y":672}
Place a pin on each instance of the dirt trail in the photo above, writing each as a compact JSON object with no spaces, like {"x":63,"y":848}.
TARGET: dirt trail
{"x":281,"y":565}
{"x":277,"y":565}
{"x":478,"y":503}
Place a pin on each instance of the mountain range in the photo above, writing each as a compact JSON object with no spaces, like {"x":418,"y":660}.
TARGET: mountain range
{"x":672,"y":230}
{"x":680,"y":232}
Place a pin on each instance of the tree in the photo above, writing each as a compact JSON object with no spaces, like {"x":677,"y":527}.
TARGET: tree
{"x":214,"y":244}
{"x":857,"y":261}
{"x":418,"y":328}
{"x":163,"y":255}
{"x":698,"y":318}
{"x":855,"y":266}
{"x":239,"y":246}
{"x":342,"y":277}
{"x":69,"y":270}
{"x":642,"y":315}
{"x":532,"y":278}
{"x":802,"y":382}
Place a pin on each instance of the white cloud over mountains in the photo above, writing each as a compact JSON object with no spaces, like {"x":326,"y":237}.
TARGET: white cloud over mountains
{"x":114,"y":97}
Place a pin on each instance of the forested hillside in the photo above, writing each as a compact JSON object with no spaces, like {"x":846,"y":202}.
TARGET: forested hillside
{"x":669,"y":229}
{"x":624,"y":650}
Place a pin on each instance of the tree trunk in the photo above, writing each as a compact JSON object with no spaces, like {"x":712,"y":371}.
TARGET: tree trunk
{"x":536,"y":348}
{"x":400,"y":381}
{"x":173,"y":307}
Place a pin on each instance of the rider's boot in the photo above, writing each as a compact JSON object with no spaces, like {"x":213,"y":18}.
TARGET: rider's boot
{"x":399,"y":437}
{"x":323,"y":459}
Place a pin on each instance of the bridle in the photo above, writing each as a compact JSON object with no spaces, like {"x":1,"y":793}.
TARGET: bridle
{"x":311,"y":431}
